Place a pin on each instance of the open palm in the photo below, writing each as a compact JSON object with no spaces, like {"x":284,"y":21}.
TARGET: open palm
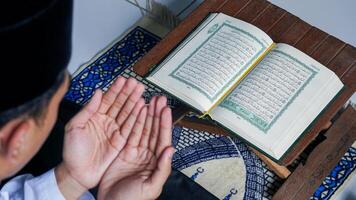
{"x":144,"y":164}
{"x":96,"y":135}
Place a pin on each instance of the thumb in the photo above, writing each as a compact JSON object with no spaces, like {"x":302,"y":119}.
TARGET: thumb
{"x":88,"y":110}
{"x":162,"y":171}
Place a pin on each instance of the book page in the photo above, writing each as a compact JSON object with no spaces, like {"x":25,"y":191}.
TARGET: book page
{"x":202,"y":70}
{"x":283,"y":86}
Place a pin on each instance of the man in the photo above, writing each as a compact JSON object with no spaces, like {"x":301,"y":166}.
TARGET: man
{"x":115,"y":141}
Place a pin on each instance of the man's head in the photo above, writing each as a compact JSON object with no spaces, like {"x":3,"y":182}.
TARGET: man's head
{"x":35,"y":44}
{"x":25,"y":128}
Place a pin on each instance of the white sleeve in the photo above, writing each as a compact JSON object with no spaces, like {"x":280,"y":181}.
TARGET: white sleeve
{"x":28,"y":187}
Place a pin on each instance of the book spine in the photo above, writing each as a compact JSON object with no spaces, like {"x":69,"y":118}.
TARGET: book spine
{"x":254,"y":64}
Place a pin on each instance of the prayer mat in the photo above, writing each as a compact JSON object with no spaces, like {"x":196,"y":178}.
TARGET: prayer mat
{"x":222,"y":165}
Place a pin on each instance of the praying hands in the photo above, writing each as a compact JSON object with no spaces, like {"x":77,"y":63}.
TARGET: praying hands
{"x":118,"y":143}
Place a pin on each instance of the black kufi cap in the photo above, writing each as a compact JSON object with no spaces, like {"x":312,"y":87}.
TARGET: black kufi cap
{"x":35,"y":46}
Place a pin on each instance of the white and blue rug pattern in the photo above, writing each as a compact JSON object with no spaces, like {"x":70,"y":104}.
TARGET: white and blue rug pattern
{"x":337,"y":176}
{"x":117,"y":60}
{"x":109,"y":65}
{"x":196,"y":147}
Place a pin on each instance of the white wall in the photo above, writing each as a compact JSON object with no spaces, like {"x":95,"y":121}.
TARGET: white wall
{"x":96,"y":23}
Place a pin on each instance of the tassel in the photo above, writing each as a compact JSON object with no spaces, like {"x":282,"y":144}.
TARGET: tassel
{"x":162,"y":14}
{"x":158,"y":12}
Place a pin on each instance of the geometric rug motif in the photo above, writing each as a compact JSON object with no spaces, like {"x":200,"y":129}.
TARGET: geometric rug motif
{"x":220,"y":164}
{"x":337,"y":176}
{"x":101,"y":72}
{"x":199,"y":154}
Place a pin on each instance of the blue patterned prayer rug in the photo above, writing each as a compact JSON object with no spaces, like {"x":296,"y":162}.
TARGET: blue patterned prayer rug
{"x":224,"y":166}
{"x":101,"y":72}
{"x":341,"y":172}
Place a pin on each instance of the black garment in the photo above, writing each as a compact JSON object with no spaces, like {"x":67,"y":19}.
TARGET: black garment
{"x":177,"y":187}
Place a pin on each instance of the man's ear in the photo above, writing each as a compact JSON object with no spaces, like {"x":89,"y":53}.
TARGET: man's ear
{"x":13,"y":138}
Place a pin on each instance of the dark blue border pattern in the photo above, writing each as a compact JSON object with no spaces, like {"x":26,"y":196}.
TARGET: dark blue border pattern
{"x":110,"y":64}
{"x":338,"y":175}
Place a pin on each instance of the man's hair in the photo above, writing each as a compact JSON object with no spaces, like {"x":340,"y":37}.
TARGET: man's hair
{"x":34,"y":108}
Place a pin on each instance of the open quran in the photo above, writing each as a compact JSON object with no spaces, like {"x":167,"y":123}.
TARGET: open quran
{"x":268,"y":94}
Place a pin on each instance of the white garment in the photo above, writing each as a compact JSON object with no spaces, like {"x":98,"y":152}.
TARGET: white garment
{"x":27,"y":187}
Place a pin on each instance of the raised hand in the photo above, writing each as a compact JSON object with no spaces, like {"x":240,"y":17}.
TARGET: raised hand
{"x":96,"y":135}
{"x":144,"y":164}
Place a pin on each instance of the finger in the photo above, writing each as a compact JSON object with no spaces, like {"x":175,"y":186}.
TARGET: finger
{"x":130,"y":121}
{"x":130,"y":103}
{"x":162,"y":171}
{"x":160,"y":104}
{"x":119,"y":138}
{"x":165,"y":131}
{"x":148,"y":123}
{"x":120,"y":100}
{"x":88,"y":110}
{"x":110,"y":96}
{"x":136,"y":133}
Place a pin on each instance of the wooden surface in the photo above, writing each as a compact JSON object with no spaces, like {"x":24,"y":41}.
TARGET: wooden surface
{"x":283,"y":27}
{"x":281,"y":171}
{"x":305,"y":179}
